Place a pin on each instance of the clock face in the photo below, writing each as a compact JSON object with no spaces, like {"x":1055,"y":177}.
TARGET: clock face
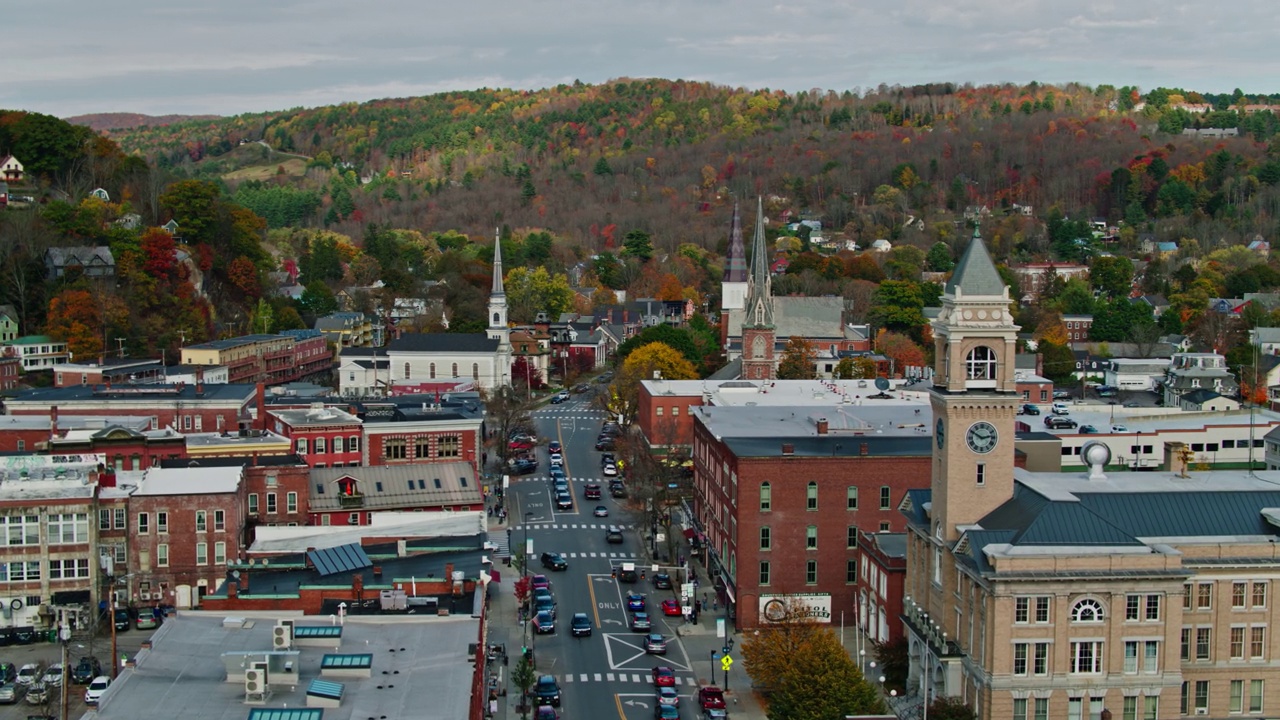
{"x":939,"y":434}
{"x":982,"y":437}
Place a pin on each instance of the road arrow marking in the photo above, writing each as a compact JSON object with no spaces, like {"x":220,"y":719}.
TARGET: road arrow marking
{"x":641,"y":703}
{"x":615,"y":622}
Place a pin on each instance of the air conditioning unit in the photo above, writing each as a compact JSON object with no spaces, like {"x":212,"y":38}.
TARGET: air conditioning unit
{"x":144,"y":596}
{"x":282,"y":635}
{"x":256,"y":689}
{"x":1202,"y":711}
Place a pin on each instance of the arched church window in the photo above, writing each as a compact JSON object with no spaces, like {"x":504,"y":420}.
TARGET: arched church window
{"x":1087,"y":610}
{"x":757,"y":347}
{"x":406,"y":371}
{"x":981,"y":364}
{"x":495,"y":318}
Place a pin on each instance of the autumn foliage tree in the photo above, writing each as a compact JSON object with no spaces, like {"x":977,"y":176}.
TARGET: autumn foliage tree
{"x":76,"y":318}
{"x":798,"y":360}
{"x":900,"y":349}
{"x":640,"y":365}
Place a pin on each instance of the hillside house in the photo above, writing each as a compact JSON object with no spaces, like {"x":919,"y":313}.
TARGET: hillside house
{"x":10,"y":169}
{"x":94,"y":262}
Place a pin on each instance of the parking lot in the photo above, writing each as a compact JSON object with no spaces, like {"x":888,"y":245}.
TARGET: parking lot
{"x":46,"y":653}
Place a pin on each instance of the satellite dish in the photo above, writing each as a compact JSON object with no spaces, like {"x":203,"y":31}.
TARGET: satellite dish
{"x":882,"y":384}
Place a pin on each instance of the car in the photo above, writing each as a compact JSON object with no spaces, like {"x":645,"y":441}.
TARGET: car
{"x":560,"y":486}
{"x":671,"y":608}
{"x":604,"y":443}
{"x":655,"y":644}
{"x":147,"y":620}
{"x":605,"y":376}
{"x":537,"y":593}
{"x":86,"y":669}
{"x":557,"y":473}
{"x":581,"y":388}
{"x":715,"y":714}
{"x":37,"y":693}
{"x":580,"y":625}
{"x":545,"y":712}
{"x":547,"y":690}
{"x":122,"y":619}
{"x":53,"y":676}
{"x":662,"y":581}
{"x":29,"y":674}
{"x":663,"y":676}
{"x":640,"y":622}
{"x":1088,"y":430}
{"x":554,"y":446}
{"x":544,"y":623}
{"x":97,"y":687}
{"x":1108,"y":391}
{"x":1057,"y":422}
{"x":554,"y":561}
{"x":666,"y":712}
{"x":610,"y":470}
{"x":617,"y":491}
{"x":668,"y":696}
{"x":564,"y":501}
{"x":11,"y":692}
{"x":607,"y":459}
{"x":601,"y":511}
{"x":1061,"y":394}
{"x":559,"y":397}
{"x":635,"y":601}
{"x":540,"y":582}
{"x":710,"y":697}
{"x":1061,"y":409}
{"x":1029,"y":410}
{"x":611,"y":428}
{"x":1119,"y":429}
{"x":613,"y":535}
{"x":557,"y":458}
{"x":591,"y":491}
{"x":524,"y":466}
{"x":522,"y":443}
{"x":1132,"y":404}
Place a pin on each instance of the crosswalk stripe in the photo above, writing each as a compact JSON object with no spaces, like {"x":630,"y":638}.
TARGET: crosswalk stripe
{"x":597,"y":677}
{"x":584,"y":677}
{"x":608,"y":677}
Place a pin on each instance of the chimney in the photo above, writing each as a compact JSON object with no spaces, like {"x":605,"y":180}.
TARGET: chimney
{"x":822,"y":426}
{"x":53,"y":422}
{"x":788,"y":449}
{"x":448,"y":571}
{"x":262,"y":405}
{"x":232,"y":590}
{"x":199,"y":382}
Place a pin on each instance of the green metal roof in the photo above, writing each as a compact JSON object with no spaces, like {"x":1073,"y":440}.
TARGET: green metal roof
{"x":976,"y":274}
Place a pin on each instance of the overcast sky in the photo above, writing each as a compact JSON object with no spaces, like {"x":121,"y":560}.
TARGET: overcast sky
{"x":66,"y":57}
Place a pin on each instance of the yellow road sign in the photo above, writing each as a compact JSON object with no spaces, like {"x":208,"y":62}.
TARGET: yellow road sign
{"x":726,"y":662}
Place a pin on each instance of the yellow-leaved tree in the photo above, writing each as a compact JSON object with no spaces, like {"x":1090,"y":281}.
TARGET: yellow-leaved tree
{"x":640,"y":365}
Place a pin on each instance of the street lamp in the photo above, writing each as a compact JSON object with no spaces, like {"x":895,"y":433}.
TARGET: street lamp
{"x":524,"y":571}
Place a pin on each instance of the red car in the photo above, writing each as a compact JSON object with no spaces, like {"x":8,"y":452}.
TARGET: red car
{"x":664,"y":676}
{"x":523,"y":443}
{"x":539,"y":581}
{"x":671,"y":607}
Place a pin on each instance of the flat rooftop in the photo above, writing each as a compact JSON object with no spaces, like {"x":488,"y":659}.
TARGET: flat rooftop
{"x":74,"y":422}
{"x":790,"y":392}
{"x":183,"y":674}
{"x":799,"y":420}
{"x":1152,"y":420}
{"x":189,"y":481}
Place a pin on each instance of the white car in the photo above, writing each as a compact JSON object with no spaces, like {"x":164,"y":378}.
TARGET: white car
{"x":53,"y":676}
{"x":1119,"y":429}
{"x":610,"y":470}
{"x":557,"y":459}
{"x":96,"y":689}
{"x":28,"y":674}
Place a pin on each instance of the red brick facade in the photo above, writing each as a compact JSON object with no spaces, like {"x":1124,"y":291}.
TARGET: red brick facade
{"x":881,"y":577}
{"x":180,"y":543}
{"x":400,"y":443}
{"x":666,"y":420}
{"x":310,"y":600}
{"x":323,"y":445}
{"x":275,"y":495}
{"x":757,"y":354}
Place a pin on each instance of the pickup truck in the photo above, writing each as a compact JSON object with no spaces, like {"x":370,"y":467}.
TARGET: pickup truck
{"x":710,"y":697}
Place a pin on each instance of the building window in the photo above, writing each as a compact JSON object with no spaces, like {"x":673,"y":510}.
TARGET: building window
{"x":811,"y":496}
{"x":202,"y":553}
{"x":449,"y":446}
{"x":885,"y":497}
{"x":766,"y":497}
{"x":1186,"y":644}
{"x":1132,"y":606}
{"x":321,"y":445}
{"x":1202,"y":643}
{"x":219,"y":520}
{"x":431,"y":369}
{"x":811,"y":572}
{"x":291,"y":502}
{"x":1020,"y":659}
{"x":851,"y":540}
{"x":1255,"y":696}
{"x":1237,"y":643}
{"x":851,"y":498}
{"x":981,"y":478}
{"x":1086,"y":657}
{"x":1040,"y":659}
{"x":421,"y":447}
{"x":395,"y":449}
{"x":1075,"y":708}
{"x":271,"y":503}
{"x":406,"y":371}
{"x":353,"y":443}
{"x":1131,"y":656}
{"x":1257,"y":636}
{"x":1202,"y":696}
{"x":25,"y":530}
{"x":1236,"y":695}
{"x":1087,"y":611}
{"x":1153,"y":608}
{"x":162,"y":555}
{"x":811,"y":537}
{"x":1150,"y":656}
{"x":1021,"y":610}
{"x":850,"y":571}
{"x":104,"y":519}
{"x":219,"y":553}
{"x":68,"y":528}
{"x":766,"y":538}
{"x":1019,"y":709}
{"x":1204,"y":596}
{"x":302,"y":446}
{"x":1042,"y":709}
{"x":68,"y":569}
{"x":353,"y":519}
{"x":119,"y":518}
{"x":202,"y":524}
{"x":981,"y":364}
{"x":1259,"y":594}
{"x":455,"y":369}
{"x":764,"y":572}
{"x":253,"y":503}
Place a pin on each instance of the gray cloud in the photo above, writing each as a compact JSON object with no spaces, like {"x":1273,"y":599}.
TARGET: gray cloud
{"x":237,"y":56}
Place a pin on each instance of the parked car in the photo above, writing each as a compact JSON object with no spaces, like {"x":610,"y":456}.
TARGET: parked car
{"x":546,"y":712}
{"x":1061,"y":394}
{"x":11,"y":692}
{"x":710,"y":696}
{"x":1060,"y":408}
{"x":554,"y":561}
{"x":640,"y":622}
{"x":1057,"y":422}
{"x":544,"y":623}
{"x":655,"y":644}
{"x":97,"y":687}
{"x":1029,"y":410}
{"x":147,"y":620}
{"x":540,"y":582}
{"x":671,"y":608}
{"x":53,"y":676}
{"x":524,"y":466}
{"x":1119,"y":429}
{"x":122,"y":619}
{"x":1088,"y":429}
{"x":617,"y":491}
{"x":522,"y":443}
{"x":37,"y":693}
{"x":547,"y":690}
{"x":607,"y":459}
{"x":580,"y":625}
{"x":86,"y":670}
{"x":604,"y":442}
{"x":581,"y":388}
{"x":610,"y":470}
{"x":29,"y":674}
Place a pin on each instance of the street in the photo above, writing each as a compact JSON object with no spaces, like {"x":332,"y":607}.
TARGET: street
{"x":606,"y":674}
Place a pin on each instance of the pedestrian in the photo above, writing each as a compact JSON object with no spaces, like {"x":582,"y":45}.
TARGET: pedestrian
{"x":697,"y":607}
{"x":715,"y":604}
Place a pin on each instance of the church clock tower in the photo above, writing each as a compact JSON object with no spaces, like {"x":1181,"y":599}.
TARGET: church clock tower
{"x":757,"y":322}
{"x":974,"y":395}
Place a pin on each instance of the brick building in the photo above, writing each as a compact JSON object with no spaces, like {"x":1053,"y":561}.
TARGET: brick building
{"x":10,"y":372}
{"x":272,"y":359}
{"x":882,"y":569}
{"x":31,"y":433}
{"x":119,"y":371}
{"x":123,"y":447}
{"x":350,"y":496}
{"x":187,"y":524}
{"x":423,"y":429}
{"x":781,"y":495}
{"x":186,"y":408}
{"x":275,"y":487}
{"x":323,"y":436}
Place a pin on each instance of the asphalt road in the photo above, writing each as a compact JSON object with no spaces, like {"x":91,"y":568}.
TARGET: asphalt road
{"x":128,"y":642}
{"x":606,"y":674}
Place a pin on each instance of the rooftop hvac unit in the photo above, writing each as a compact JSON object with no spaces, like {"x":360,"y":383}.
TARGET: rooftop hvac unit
{"x":282,"y":635}
{"x":256,"y":690}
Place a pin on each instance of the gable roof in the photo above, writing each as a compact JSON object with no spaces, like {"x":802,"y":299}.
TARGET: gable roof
{"x":388,"y":486}
{"x":976,"y":274}
{"x":80,"y":255}
{"x":443,"y":343}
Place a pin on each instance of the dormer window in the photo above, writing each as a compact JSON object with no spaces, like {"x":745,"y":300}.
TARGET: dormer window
{"x":348,"y":486}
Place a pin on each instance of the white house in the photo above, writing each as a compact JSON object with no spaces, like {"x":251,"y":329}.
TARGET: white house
{"x":10,"y":169}
{"x":1135,"y":373}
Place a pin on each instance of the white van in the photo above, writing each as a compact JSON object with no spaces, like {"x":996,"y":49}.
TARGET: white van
{"x":1061,"y":409}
